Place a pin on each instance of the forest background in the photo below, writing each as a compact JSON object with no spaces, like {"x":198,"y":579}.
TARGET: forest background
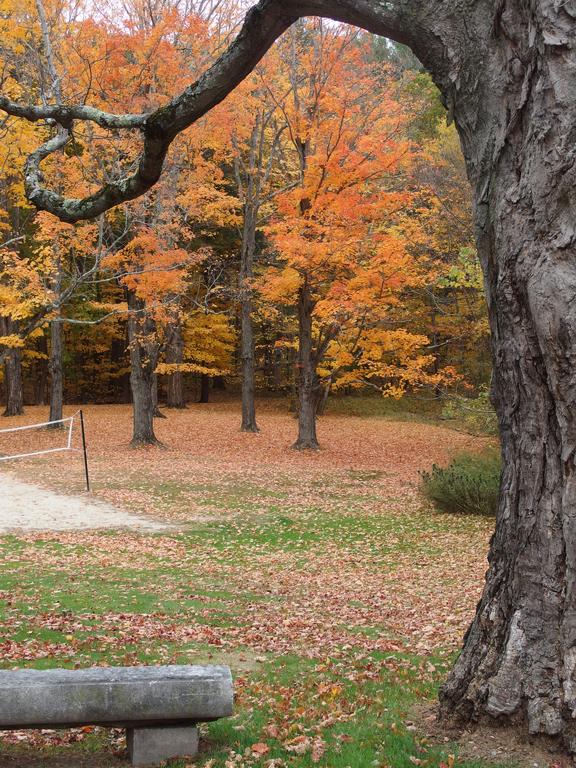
{"x":311,"y":235}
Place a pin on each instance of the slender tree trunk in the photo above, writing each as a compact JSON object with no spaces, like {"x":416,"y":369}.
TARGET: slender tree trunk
{"x":55,"y":360}
{"x":143,"y":359}
{"x":13,"y":384}
{"x":322,"y":397}
{"x":157,"y":412}
{"x":204,"y":388}
{"x":41,"y":377}
{"x":175,"y":397}
{"x":272,"y":364}
{"x":307,"y":379}
{"x":56,"y":375}
{"x":247,"y":340}
{"x":277,"y":369}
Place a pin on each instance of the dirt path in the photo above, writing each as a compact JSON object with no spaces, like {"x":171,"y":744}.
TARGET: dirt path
{"x":27,"y":507}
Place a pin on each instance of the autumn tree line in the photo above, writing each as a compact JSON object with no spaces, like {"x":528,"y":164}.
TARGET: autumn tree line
{"x":312,"y":234}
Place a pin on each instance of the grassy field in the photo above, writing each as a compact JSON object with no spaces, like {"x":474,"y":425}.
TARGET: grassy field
{"x":337,"y":597}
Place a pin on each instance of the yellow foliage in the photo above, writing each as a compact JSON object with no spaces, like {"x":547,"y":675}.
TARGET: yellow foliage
{"x":11,"y":341}
{"x":210,"y":341}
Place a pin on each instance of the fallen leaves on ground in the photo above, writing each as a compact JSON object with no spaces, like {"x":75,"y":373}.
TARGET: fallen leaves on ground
{"x":331,"y":557}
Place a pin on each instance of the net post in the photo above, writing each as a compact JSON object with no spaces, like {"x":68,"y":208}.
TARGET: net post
{"x":84,"y":450}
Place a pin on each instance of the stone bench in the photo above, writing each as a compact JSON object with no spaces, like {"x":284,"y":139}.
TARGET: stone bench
{"x":159,"y":706}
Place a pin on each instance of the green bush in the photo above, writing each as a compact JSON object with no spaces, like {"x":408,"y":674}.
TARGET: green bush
{"x":467,"y":486}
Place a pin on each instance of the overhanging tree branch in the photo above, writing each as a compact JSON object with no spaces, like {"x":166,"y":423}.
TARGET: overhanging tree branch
{"x":65,"y":115}
{"x":264,"y":23}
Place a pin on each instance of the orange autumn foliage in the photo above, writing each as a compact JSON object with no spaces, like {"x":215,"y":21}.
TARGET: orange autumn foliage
{"x":337,"y":228}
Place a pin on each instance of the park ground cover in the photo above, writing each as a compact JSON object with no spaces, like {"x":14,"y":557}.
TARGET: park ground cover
{"x":337,"y":596}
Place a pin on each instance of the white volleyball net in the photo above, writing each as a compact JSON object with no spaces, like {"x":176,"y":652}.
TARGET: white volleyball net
{"x":36,"y":439}
{"x":47,"y":437}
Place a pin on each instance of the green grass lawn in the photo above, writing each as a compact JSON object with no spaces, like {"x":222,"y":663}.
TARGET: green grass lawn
{"x":336,"y":594}
{"x":319,"y":681}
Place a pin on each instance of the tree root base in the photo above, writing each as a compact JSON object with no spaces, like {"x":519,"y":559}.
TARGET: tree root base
{"x":147,"y":444}
{"x":299,"y":446}
{"x":491,"y":741}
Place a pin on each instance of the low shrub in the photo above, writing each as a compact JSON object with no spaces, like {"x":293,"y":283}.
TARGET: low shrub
{"x":468,"y":485}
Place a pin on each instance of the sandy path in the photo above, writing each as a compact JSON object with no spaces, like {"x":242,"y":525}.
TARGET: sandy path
{"x":27,"y":507}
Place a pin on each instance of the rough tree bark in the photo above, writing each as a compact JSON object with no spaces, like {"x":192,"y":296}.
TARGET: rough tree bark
{"x":507,"y":72}
{"x":307,"y":378}
{"x":517,"y":119}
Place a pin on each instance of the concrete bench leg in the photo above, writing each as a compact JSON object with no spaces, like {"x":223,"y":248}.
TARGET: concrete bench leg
{"x":151,"y":746}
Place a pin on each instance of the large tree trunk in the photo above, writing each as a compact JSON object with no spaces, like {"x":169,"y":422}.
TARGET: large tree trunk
{"x":519,"y":658}
{"x":175,"y":396}
{"x":142,"y":406}
{"x":307,"y":378}
{"x":143,"y":360}
{"x":56,"y":375}
{"x":507,"y":71}
{"x":247,"y":340}
{"x":13,"y":384}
